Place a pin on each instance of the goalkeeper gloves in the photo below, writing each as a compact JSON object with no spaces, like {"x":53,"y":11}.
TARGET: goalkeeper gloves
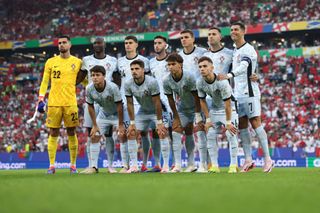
{"x":41,"y":105}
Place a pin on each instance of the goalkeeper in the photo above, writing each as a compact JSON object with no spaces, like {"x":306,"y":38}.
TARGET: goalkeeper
{"x":61,"y":71}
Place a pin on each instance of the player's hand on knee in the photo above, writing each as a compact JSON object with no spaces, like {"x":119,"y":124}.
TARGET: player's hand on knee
{"x":176,"y":126}
{"x":199,"y":127}
{"x":95,"y":130}
{"x":232,"y":129}
{"x":208,"y":125}
{"x":132,"y":131}
{"x":95,"y":134}
{"x":121,"y":131}
{"x":161,"y":130}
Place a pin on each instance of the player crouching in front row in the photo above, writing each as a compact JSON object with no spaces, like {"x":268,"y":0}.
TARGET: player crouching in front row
{"x":222,"y":113}
{"x":146,"y":91}
{"x":107,"y":95}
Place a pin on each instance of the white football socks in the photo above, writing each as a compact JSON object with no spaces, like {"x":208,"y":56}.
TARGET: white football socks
{"x":94,"y":154}
{"x":133,"y":152}
{"x":245,"y":138}
{"x":110,"y":150}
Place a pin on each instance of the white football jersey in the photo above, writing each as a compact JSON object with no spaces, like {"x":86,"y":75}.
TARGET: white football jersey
{"x":106,"y":99}
{"x":222,"y":60}
{"x":182,"y":91}
{"x":244,"y":87}
{"x":109,"y":63}
{"x":159,"y":71}
{"x":219,"y":91}
{"x":124,"y":66}
{"x":125,"y":71}
{"x":143,"y":93}
{"x":190,"y":60}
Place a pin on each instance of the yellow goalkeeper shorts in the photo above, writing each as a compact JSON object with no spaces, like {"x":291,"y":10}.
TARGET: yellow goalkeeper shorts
{"x":69,"y":115}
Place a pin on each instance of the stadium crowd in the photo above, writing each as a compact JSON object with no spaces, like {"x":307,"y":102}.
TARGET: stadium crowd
{"x":290,"y":106}
{"x":23,"y":20}
{"x":222,"y":13}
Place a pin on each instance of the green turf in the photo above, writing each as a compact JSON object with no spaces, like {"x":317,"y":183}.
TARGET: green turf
{"x":283,"y":190}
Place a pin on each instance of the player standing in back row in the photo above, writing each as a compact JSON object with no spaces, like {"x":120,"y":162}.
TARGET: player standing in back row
{"x":131,"y":46}
{"x":110,"y":65}
{"x":247,"y":93}
{"x":158,"y":69}
{"x":61,"y":71}
{"x":222,"y":62}
{"x":191,"y":54}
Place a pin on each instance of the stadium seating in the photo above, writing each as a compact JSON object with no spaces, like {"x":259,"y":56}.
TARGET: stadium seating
{"x":222,"y":13}
{"x":23,"y":20}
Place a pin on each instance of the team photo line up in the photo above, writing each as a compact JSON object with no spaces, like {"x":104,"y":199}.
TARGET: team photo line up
{"x":197,"y":93}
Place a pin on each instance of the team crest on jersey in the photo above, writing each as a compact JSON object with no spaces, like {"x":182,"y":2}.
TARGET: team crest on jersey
{"x":73,"y":66}
{"x":196,"y":60}
{"x":108,"y":65}
{"x":94,"y":96}
{"x":109,"y":98}
{"x":185,"y":87}
{"x":221,"y":59}
{"x":238,"y":58}
{"x":146,"y":92}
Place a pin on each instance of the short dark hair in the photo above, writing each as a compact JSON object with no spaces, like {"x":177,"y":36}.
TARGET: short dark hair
{"x":174,"y":57}
{"x":161,"y":37}
{"x":64,"y":36}
{"x":98,"y":68}
{"x":240,"y":24}
{"x":205,"y":58}
{"x":132,"y":38}
{"x":187,"y":31}
{"x":99,"y":38}
{"x":215,"y":28}
{"x":138,"y":62}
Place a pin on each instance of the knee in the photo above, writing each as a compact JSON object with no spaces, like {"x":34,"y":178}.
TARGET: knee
{"x":143,"y":133}
{"x":189,"y":129}
{"x":211,"y":134}
{"x":255,"y":122}
{"x":229,"y":136}
{"x":54,"y":132}
{"x":243,"y":123}
{"x":71,"y":131}
{"x":155,"y":134}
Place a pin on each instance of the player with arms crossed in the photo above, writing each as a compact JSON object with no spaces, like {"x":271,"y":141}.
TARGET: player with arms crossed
{"x":222,"y":113}
{"x":131,"y":46}
{"x":247,"y":93}
{"x":182,"y":85}
{"x":110,"y":65}
{"x":107,"y":95}
{"x":61,"y":71}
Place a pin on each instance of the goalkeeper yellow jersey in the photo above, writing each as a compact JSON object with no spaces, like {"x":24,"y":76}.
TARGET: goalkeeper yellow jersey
{"x":62,"y":75}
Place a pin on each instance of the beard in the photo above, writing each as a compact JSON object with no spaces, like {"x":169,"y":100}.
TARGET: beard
{"x":63,"y":50}
{"x":159,"y":51}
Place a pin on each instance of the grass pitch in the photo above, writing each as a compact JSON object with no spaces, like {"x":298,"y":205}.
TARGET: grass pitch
{"x":283,"y":190}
